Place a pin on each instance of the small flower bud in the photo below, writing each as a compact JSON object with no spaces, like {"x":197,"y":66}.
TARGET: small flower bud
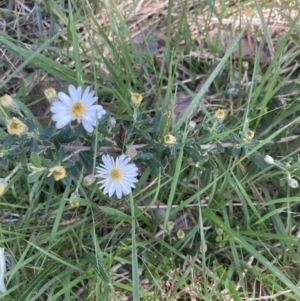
{"x":220,"y":114}
{"x":51,"y":95}
{"x":170,"y":225}
{"x":112,"y":122}
{"x":89,"y":180}
{"x":233,"y":91}
{"x":136,"y":99}
{"x":169,"y":139}
{"x":180,"y":234}
{"x":293,"y":183}
{"x":16,"y":127}
{"x":74,"y":195}
{"x":7,"y":102}
{"x":131,"y":152}
{"x":58,"y":172}
{"x":203,"y":248}
{"x":249,"y":135}
{"x":191,"y":125}
{"x":3,"y":184}
{"x":269,"y":159}
{"x":245,"y":65}
{"x":219,"y":231}
{"x":258,"y":78}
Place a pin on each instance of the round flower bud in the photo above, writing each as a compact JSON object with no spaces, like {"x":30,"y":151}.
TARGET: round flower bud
{"x":170,"y":225}
{"x":136,"y":99}
{"x":131,"y":152}
{"x":220,"y":114}
{"x":180,"y":234}
{"x":112,"y":122}
{"x":58,"y":172}
{"x":16,"y":127}
{"x":73,"y":203}
{"x":219,"y":231}
{"x":203,"y":248}
{"x":89,"y":180}
{"x":51,"y":94}
{"x":245,"y":65}
{"x":249,"y":135}
{"x":269,"y":159}
{"x":169,"y":139}
{"x":7,"y":102}
{"x":191,"y":125}
{"x":293,"y":183}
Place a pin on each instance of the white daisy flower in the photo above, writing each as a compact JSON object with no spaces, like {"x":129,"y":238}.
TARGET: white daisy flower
{"x":76,"y":106}
{"x":118,"y":176}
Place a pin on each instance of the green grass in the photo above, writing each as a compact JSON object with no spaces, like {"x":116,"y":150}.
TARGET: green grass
{"x":238,"y":213}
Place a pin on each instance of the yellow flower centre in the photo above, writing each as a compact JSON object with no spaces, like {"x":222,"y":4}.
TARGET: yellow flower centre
{"x":77,"y":108}
{"x":115,"y":174}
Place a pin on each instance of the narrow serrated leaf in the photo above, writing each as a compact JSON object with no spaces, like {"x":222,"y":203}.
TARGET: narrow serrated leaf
{"x":98,"y":267}
{"x":115,"y":212}
{"x":34,"y":282}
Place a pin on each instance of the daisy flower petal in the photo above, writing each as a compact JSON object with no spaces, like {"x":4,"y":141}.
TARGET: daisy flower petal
{"x":64,"y":98}
{"x":63,"y":122}
{"x":73,"y":93}
{"x":117,"y":176}
{"x":87,"y":126}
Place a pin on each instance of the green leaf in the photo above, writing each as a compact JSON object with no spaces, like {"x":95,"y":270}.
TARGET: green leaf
{"x":35,"y":175}
{"x":60,"y":154}
{"x":48,"y":163}
{"x":157,"y":119}
{"x":98,"y":267}
{"x":46,"y":133}
{"x":192,"y":153}
{"x":126,"y":118}
{"x":34,"y":146}
{"x":4,"y":162}
{"x":145,"y":156}
{"x":259,"y":160}
{"x":115,"y":212}
{"x":220,"y":147}
{"x":34,"y":282}
{"x":35,"y":159}
{"x":206,"y":175}
{"x":189,"y":141}
{"x":86,"y":158}
{"x":145,"y":135}
{"x":156,"y":166}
